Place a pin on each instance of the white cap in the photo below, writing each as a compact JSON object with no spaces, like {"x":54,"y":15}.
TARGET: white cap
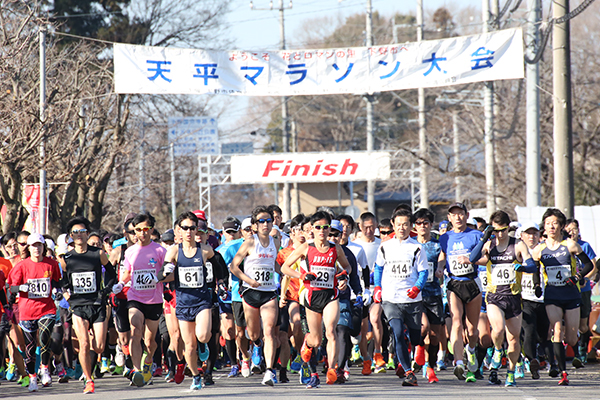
{"x":246,"y":223}
{"x":63,"y":244}
{"x":472,"y":221}
{"x":529,"y":226}
{"x":50,"y":244}
{"x":35,"y":238}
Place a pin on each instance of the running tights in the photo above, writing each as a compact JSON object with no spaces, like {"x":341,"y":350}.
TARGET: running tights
{"x":397,"y":326}
{"x":43,"y":331}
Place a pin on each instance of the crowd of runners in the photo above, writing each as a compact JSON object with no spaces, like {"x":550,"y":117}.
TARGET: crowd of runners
{"x":306,"y":299}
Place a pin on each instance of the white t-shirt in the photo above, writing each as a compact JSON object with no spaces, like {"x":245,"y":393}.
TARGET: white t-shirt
{"x":401,"y":262}
{"x":361,"y":260}
{"x":370,"y":249}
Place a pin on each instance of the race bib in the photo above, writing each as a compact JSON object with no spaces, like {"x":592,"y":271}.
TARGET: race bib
{"x":209,"y":272}
{"x":457,"y":268}
{"x":84,"y":282}
{"x":191,"y":277}
{"x":430,"y":272}
{"x":264,"y":276}
{"x":39,"y":288}
{"x":527,"y":286}
{"x":143,"y":279}
{"x":400,"y":270}
{"x":503,"y":274}
{"x":558,"y":274}
{"x":325,"y":277}
{"x":483,"y":281}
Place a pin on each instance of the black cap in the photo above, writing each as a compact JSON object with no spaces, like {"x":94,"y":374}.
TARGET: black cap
{"x":231,"y":226}
{"x":459,"y":205}
{"x":168,"y":236}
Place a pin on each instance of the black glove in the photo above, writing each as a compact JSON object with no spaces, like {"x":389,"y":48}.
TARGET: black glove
{"x":538,"y":291}
{"x":112,"y":300}
{"x":574,"y":280}
{"x":167,"y":295}
{"x":487,"y":233}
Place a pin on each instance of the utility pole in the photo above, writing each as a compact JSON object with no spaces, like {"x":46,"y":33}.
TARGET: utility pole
{"x":43,"y":184}
{"x":488,"y":137}
{"x":296,"y":193}
{"x":369,"y":99}
{"x":287,"y":211}
{"x":534,"y":198}
{"x":142,"y":171}
{"x":173,"y":200}
{"x":564,"y":198}
{"x":424,"y":191}
{"x":456,"y":144}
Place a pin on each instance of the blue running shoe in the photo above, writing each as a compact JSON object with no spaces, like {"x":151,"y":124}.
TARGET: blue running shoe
{"x":496,"y":359}
{"x":314,"y":382}
{"x":11,"y":376}
{"x":257,"y":355}
{"x":203,"y":352}
{"x":196,"y":383}
{"x":296,"y":364}
{"x":304,"y":374}
{"x":235,"y":371}
{"x":510,"y":380}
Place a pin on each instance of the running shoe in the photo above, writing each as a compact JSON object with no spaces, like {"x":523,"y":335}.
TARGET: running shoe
{"x":496,"y":362}
{"x":111,"y":367}
{"x":179,"y":373}
{"x":488,"y":358}
{"x":119,"y":356}
{"x":70,"y":373}
{"x":379,"y":363}
{"x":170,"y":377}
{"x":89,"y":387}
{"x":255,"y":368}
{"x":355,"y":354}
{"x":196,"y":383}
{"x":410,"y":380}
{"x":563,"y":381}
{"x":203,"y":352}
{"x":340,"y":378}
{"x":78,"y":371}
{"x":32,"y":383}
{"x":346,"y":375}
{"x":366,"y":370}
{"x":63,"y":377}
{"x":207,"y":380}
{"x":245,"y":368}
{"x":420,"y":355}
{"x":296,"y":364}
{"x":104,"y":365}
{"x":577,"y":363}
{"x":472,"y":365}
{"x":235,"y":371}
{"x":137,"y":378}
{"x":283,"y":378}
{"x":10,"y":372}
{"x":416,"y":367}
{"x":400,"y":371}
{"x":257,"y":355}
{"x":470,"y":377}
{"x":314,"y":382}
{"x":157,"y":372}
{"x":331,"y":376}
{"x":2,"y":373}
{"x":510,"y":380}
{"x":268,"y":378}
{"x":118,"y":370}
{"x":46,"y":379}
{"x":147,"y":370}
{"x":127,"y":372}
{"x":391,"y":365}
{"x":493,"y":379}
{"x":306,"y":352}
{"x":534,"y":368}
{"x":304,"y":374}
{"x":23,"y":381}
{"x":441,"y":365}
{"x":520,"y":370}
{"x":425,"y":369}
{"x":554,"y":371}
{"x":431,"y":376}
{"x":459,"y":372}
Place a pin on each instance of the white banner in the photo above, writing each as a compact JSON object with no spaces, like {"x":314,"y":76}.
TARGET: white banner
{"x":310,"y":167}
{"x":455,"y":61}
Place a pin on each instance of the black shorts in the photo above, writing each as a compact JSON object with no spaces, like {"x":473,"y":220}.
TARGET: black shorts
{"x":66,"y":315}
{"x":433,"y":307}
{"x":509,"y":303}
{"x":189,"y":313}
{"x":238,"y":314}
{"x":91,"y":313}
{"x":257,"y":298}
{"x":569,"y":304}
{"x":586,"y":304}
{"x":151,"y":312}
{"x":121,"y":315}
{"x":409,"y":313}
{"x":284,"y":319}
{"x":317,"y":300}
{"x":465,"y":290}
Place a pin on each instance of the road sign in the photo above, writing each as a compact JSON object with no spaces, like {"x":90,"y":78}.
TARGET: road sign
{"x":193,"y":135}
{"x":237,"y":148}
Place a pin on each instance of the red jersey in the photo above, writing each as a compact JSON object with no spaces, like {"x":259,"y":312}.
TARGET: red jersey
{"x":37,"y":302}
{"x":322,"y":265}
{"x":294,"y":286}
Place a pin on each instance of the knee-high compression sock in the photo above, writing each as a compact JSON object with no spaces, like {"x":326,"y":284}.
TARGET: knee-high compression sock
{"x":212,"y":354}
{"x":559,"y":353}
{"x":171,"y":360}
{"x":481,"y":353}
{"x":401,"y":345}
{"x":277,"y":353}
{"x":231,"y":348}
{"x":313,"y":361}
{"x":344,"y":343}
{"x":94,"y":359}
{"x":432,"y":351}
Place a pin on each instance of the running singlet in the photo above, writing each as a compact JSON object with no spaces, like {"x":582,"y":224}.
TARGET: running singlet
{"x":460,"y":244}
{"x":84,"y":274}
{"x":501,"y":275}
{"x":38,"y":276}
{"x":557,"y":266}
{"x":144,"y":262}
{"x":191,"y":279}
{"x":401,"y":262}
{"x":260,"y":266}
{"x":294,"y":285}
{"x":121,"y":271}
{"x":323,"y":265}
{"x":432,"y":286}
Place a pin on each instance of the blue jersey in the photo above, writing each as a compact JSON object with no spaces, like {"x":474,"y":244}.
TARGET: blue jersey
{"x":432,"y":286}
{"x":228,"y":251}
{"x":191,"y":286}
{"x":587,"y":249}
{"x":460,"y":244}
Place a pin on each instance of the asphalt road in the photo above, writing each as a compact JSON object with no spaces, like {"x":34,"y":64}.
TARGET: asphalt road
{"x":585,"y":384}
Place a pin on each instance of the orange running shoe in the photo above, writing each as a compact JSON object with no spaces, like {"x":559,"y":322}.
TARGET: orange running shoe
{"x":420,"y":355}
{"x":366,"y":367}
{"x":306,"y":352}
{"x":89,"y":387}
{"x":431,"y":376}
{"x":331,"y":376}
{"x":379,"y":363}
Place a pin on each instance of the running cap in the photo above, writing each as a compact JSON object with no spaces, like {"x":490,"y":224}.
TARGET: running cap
{"x":200,"y":214}
{"x":231,"y":226}
{"x":337,"y":225}
{"x":247,"y":222}
{"x":202,"y":226}
{"x":35,"y":238}
{"x":168,"y":236}
{"x":128,"y":217}
{"x":50,"y":244}
{"x":472,"y":221}
{"x":443,"y":224}
{"x":531,"y":225}
{"x":459,"y":205}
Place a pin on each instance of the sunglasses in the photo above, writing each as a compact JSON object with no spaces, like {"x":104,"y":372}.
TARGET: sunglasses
{"x":422,"y":223}
{"x":202,"y":230}
{"x":22,"y":244}
{"x":131,"y":232}
{"x":501,"y":229}
{"x":188,"y":228}
{"x":248,"y":229}
{"x":144,"y":229}
{"x":386,"y":232}
{"x":319,"y":227}
{"x":231,"y":232}
{"x":263,"y":220}
{"x":334,"y":234}
{"x":76,"y":231}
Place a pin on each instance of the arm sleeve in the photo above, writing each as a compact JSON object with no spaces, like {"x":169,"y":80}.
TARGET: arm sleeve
{"x":421,"y":279}
{"x":587,"y":263}
{"x":530,"y":266}
{"x":476,"y":252}
{"x":378,"y":274}
{"x":354,"y":279}
{"x":219,"y":267}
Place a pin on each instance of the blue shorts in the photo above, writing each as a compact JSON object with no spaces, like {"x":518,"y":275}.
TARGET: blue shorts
{"x":345,"y":313}
{"x":225,"y":308}
{"x":190,"y":313}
